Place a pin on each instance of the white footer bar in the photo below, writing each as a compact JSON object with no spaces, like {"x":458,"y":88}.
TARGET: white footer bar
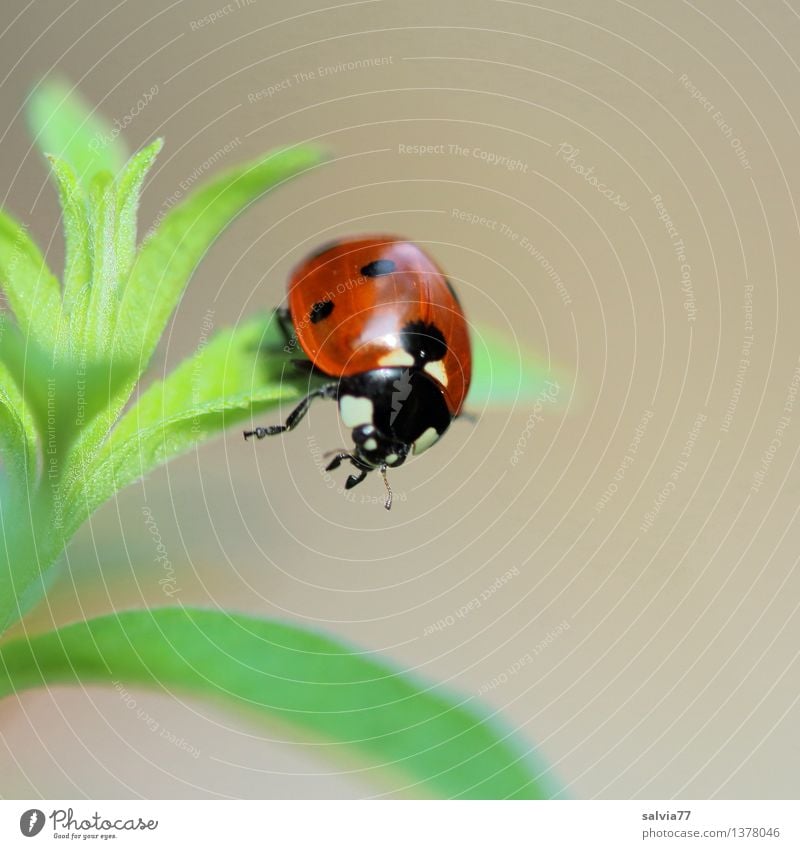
{"x":402,"y":824}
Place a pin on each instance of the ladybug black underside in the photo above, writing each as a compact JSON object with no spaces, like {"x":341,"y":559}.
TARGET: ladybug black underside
{"x":405,"y":403}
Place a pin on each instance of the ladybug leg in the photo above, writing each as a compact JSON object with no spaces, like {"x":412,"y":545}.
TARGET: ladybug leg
{"x":284,"y":319}
{"x":287,"y":341}
{"x":337,"y":461}
{"x":327,"y":391}
{"x":352,"y":480}
{"x":355,"y":480}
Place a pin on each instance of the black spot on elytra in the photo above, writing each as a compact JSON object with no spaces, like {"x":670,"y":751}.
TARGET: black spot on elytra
{"x":378,"y":267}
{"x":425,"y":342}
{"x":320,"y":310}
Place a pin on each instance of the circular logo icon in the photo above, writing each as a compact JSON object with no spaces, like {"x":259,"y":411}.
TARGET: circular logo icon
{"x":31,"y":822}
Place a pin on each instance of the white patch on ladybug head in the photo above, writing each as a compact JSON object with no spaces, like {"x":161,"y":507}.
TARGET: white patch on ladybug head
{"x":371,"y":444}
{"x":425,"y":441}
{"x":396,"y":357}
{"x":435,"y":369}
{"x":391,"y":458}
{"x":355,"y":411}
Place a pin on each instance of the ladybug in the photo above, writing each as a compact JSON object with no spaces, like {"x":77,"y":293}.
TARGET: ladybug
{"x":378,"y":317}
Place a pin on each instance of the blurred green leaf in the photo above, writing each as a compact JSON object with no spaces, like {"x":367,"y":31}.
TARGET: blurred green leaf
{"x":313,"y":683}
{"x":64,"y":125}
{"x":17,"y":440}
{"x":33,"y":293}
{"x":77,"y":243}
{"x":228,"y":379}
{"x":506,"y":372}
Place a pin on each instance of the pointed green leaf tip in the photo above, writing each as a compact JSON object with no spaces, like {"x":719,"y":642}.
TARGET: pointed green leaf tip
{"x":115,"y":205}
{"x":432,"y":741}
{"x":168,"y":256}
{"x":76,"y":226}
{"x":66,"y":126}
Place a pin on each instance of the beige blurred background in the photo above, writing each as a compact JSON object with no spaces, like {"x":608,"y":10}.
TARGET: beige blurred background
{"x":647,"y":641}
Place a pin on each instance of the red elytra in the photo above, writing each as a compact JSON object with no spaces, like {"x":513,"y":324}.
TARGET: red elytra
{"x":352,"y":302}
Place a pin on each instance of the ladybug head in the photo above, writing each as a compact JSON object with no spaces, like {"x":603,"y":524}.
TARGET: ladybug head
{"x":393,"y":412}
{"x":374,"y":448}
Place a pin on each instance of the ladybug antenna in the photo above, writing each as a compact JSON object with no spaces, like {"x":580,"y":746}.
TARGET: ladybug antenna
{"x":388,"y":502}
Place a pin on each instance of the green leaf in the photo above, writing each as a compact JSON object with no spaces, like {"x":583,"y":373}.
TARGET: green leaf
{"x":128,"y":188}
{"x":313,"y":683}
{"x":33,"y":293}
{"x":507,"y":372}
{"x":76,"y":227}
{"x":168,"y":257}
{"x":17,"y":439}
{"x":230,"y":377}
{"x":104,"y":290}
{"x":32,"y":540}
{"x":64,"y":125}
{"x":58,"y":391}
{"x":115,"y":207}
